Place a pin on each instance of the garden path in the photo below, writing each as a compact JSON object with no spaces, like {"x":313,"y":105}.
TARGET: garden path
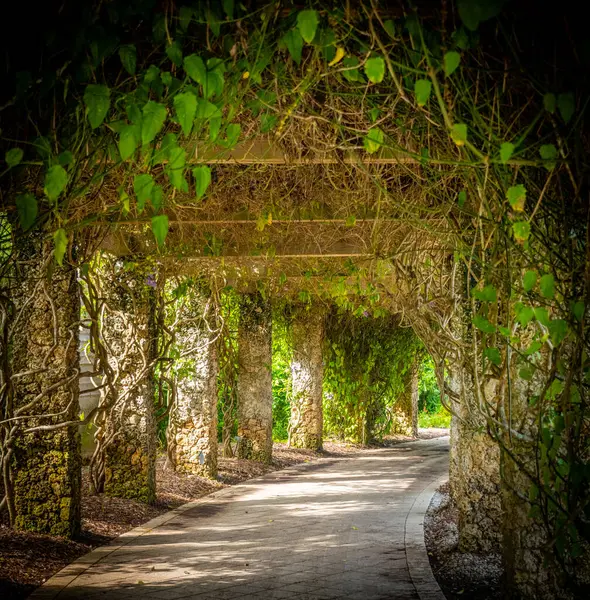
{"x":326,"y":530}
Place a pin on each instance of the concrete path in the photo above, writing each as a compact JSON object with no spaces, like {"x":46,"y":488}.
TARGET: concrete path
{"x":325,"y":530}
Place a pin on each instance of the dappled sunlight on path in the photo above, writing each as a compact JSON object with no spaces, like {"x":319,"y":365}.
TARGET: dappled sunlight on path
{"x":316,"y":531}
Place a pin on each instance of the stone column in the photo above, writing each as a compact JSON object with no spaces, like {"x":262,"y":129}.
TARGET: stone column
{"x":46,"y":464}
{"x":194,"y":418}
{"x":405,"y":417}
{"x":475,"y":476}
{"x":128,"y":330}
{"x":255,"y":378}
{"x":307,"y":373}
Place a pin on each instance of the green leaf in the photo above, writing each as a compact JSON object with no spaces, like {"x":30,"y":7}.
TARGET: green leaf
{"x":483,"y":324}
{"x":128,"y":56}
{"x":27,"y":208}
{"x":506,"y":151}
{"x":267,"y":122}
{"x":558,"y":329}
{"x":13,"y":157}
{"x":185,"y":15}
{"x":493,"y":355}
{"x":578,"y":310}
{"x":98,"y":101}
{"x":474,"y":12}
{"x":487,"y":294}
{"x":529,"y":280}
{"x":160,"y":228}
{"x":128,"y":141}
{"x":202,"y":177}
{"x":462,"y":198}
{"x":350,"y":221}
{"x":228,"y":8}
{"x":516,"y":195}
{"x":373,"y":140}
{"x":524,"y":315}
{"x":232,"y":133}
{"x":65,"y":158}
{"x":389,"y":27}
{"x":185,"y":105}
{"x":547,"y":286}
{"x":60,"y":241}
{"x":352,"y":74}
{"x":542,"y":315}
{"x":174,"y":53}
{"x":521,"y":230}
{"x":375,"y":69}
{"x":451,"y":61}
{"x":142,"y":186}
{"x":534,"y":347}
{"x":307,"y":23}
{"x":157,"y":197}
{"x":548,"y":152}
{"x":550,"y":103}
{"x":154,"y":115}
{"x":56,"y":180}
{"x":195,"y":68}
{"x":422,"y":89}
{"x":294,"y":43}
{"x":459,"y":133}
{"x":175,"y":168}
{"x":566,"y":103}
{"x":206,"y":109}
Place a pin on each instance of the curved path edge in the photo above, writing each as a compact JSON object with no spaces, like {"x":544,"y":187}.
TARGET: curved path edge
{"x":55,"y":584}
{"x":416,"y":552}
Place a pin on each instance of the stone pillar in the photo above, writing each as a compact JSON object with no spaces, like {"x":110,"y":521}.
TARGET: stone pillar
{"x":194,"y":417}
{"x":46,"y":464}
{"x":307,"y":374}
{"x":255,"y":378}
{"x":128,"y":330}
{"x":405,"y":411}
{"x":475,"y":472}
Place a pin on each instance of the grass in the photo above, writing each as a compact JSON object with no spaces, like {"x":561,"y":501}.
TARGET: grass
{"x":442,"y":418}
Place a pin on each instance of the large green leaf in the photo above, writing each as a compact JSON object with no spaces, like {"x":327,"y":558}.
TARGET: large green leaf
{"x":175,"y":168}
{"x":294,"y":43}
{"x":13,"y":157}
{"x":98,"y":101}
{"x":27,"y":208}
{"x":307,"y":23}
{"x":422,"y":89}
{"x":142,"y":186}
{"x":566,"y":103}
{"x":228,"y":8}
{"x":521,"y":230}
{"x":547,"y":286}
{"x":185,"y":105}
{"x":558,"y":329}
{"x":195,"y":68}
{"x":60,"y":241}
{"x":373,"y":140}
{"x":128,"y":141}
{"x":174,"y":53}
{"x":529,"y":280}
{"x":202,"y":177}
{"x":232,"y":134}
{"x":128,"y":56}
{"x":451,"y":61}
{"x":483,"y":324}
{"x":474,"y":12}
{"x":459,"y":133}
{"x":160,"y":228}
{"x":549,"y":102}
{"x":506,"y":151}
{"x":375,"y":69}
{"x":157,"y":197}
{"x":154,"y":115}
{"x":516,"y":195}
{"x":487,"y":294}
{"x":56,"y":180}
{"x":493,"y":355}
{"x":351,"y":73}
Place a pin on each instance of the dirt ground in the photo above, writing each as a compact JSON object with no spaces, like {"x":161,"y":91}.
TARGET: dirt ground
{"x":460,"y":575}
{"x":27,"y":559}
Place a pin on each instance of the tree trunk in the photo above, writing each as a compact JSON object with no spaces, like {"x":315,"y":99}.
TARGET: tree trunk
{"x":405,"y":416}
{"x":255,"y":379}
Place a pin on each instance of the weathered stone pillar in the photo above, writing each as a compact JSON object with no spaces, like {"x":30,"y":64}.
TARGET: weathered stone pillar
{"x":405,"y":416}
{"x":128,"y":329}
{"x":194,"y":418}
{"x":255,"y":378}
{"x":475,"y":473}
{"x":46,"y":464}
{"x":307,"y":374}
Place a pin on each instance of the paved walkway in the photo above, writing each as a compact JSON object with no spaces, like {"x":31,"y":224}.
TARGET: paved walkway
{"x":318,"y":531}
